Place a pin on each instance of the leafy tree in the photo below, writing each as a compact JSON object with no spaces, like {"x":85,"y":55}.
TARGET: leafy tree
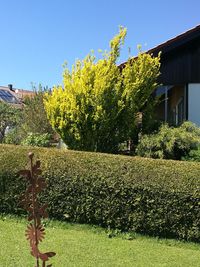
{"x":96,"y":108}
{"x":34,"y":115}
{"x":9,"y":117}
{"x":33,"y":121}
{"x":139,"y":82}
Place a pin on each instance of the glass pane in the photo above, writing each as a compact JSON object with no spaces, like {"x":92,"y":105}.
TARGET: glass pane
{"x":8,"y":97}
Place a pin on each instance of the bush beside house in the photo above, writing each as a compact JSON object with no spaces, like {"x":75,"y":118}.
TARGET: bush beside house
{"x":170,"y":142}
{"x":194,"y":155}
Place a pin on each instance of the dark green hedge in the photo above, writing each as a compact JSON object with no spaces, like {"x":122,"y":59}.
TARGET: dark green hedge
{"x":156,"y":197}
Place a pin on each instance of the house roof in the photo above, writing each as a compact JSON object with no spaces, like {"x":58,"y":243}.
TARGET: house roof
{"x":177,"y":41}
{"x":14,"y":96}
{"x":21,"y":93}
{"x":174,"y":43}
{"x":8,"y":96}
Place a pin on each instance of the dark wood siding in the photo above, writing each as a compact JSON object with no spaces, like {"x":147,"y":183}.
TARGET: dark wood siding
{"x":180,"y":58}
{"x":181,"y":65}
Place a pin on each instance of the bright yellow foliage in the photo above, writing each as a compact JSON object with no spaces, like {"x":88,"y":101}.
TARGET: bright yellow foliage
{"x":92,"y":110}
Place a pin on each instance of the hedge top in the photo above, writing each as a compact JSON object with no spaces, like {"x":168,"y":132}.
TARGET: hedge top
{"x":176,"y":176}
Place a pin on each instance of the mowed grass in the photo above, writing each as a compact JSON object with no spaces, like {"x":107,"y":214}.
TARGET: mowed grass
{"x":85,"y":246}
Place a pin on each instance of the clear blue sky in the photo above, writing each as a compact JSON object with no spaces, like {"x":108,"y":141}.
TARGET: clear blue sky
{"x":37,"y":36}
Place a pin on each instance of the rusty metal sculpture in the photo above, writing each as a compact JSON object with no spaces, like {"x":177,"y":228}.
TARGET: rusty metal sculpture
{"x":35,"y":231}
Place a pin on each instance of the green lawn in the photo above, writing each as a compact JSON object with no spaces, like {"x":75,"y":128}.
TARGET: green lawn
{"x":85,"y":246}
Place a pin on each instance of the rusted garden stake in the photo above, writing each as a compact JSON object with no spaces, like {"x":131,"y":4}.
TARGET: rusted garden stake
{"x":35,"y":231}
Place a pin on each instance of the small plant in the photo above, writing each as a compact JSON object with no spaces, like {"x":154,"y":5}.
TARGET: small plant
{"x":113,"y":232}
{"x":36,"y":139}
{"x":35,"y":231}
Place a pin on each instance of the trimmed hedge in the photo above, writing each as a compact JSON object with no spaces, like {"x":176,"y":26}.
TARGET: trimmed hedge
{"x":155,"y":197}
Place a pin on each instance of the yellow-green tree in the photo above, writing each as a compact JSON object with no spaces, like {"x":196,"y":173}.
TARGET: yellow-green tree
{"x":140,"y":79}
{"x":95,"y":109}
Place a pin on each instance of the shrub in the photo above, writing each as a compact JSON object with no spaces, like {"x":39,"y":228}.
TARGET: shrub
{"x":13,"y":136}
{"x":155,"y":197}
{"x":170,"y":142}
{"x":194,"y":155}
{"x":9,"y":118}
{"x":36,"y":139}
{"x":95,"y":109}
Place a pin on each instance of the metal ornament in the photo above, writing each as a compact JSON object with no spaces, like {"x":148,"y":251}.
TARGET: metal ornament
{"x":35,"y":231}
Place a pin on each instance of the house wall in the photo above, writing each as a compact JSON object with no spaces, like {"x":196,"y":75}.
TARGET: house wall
{"x":194,"y":103}
{"x":181,"y":65}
